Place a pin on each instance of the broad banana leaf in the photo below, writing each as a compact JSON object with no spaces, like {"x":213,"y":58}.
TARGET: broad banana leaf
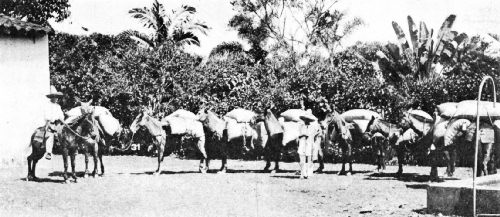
{"x":401,"y":36}
{"x":423,"y":35}
{"x":444,"y":32}
{"x":412,"y":28}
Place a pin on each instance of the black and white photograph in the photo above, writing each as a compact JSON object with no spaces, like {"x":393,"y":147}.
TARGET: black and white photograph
{"x":249,"y":108}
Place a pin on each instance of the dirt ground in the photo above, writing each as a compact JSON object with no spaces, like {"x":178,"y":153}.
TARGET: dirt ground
{"x":130,"y":189}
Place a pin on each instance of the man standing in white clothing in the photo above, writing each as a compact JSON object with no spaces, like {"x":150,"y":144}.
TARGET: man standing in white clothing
{"x":54,"y":117}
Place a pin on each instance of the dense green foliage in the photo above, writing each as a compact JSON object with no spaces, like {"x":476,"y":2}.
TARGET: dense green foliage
{"x":123,"y":77}
{"x":36,"y":11}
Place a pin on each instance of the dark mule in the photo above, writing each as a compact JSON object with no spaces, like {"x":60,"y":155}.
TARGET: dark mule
{"x":389,"y":132}
{"x":81,"y":131}
{"x":157,"y":130}
{"x":217,"y":134}
{"x":337,"y":132}
{"x":82,"y":134}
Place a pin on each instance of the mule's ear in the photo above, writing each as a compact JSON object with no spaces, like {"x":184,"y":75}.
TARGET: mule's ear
{"x":90,"y":101}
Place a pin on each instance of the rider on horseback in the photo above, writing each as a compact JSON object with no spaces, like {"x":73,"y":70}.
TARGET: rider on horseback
{"x":54,"y":116}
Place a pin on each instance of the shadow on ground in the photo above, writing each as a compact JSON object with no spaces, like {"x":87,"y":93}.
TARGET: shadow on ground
{"x":44,"y":180}
{"x":405,"y":177}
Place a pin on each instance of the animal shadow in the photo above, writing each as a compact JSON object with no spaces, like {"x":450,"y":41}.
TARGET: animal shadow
{"x":417,"y":186}
{"x":60,"y":174}
{"x":44,"y":180}
{"x":405,"y":177}
{"x":259,"y":171}
{"x":286,"y":177}
{"x":162,"y":173}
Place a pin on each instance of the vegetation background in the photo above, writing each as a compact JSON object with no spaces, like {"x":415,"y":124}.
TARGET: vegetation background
{"x":130,"y":70}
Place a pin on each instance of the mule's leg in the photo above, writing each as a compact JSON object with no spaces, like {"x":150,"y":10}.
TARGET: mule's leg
{"x":453,"y":156}
{"x":342,"y":170}
{"x":161,"y":150}
{"x":201,"y":147}
{"x":86,"y":154}
{"x":72,"y":157}
{"x":102,"y":164}
{"x":96,"y":162}
{"x":448,"y":160}
{"x":349,"y":159}
{"x":223,"y":167}
{"x":65,"y":161}
{"x":401,"y":157}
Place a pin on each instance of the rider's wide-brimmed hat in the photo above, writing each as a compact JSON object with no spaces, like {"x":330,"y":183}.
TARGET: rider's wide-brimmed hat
{"x":54,"y":93}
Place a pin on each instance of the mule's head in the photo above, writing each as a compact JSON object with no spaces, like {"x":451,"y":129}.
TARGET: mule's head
{"x":86,"y":107}
{"x":202,"y":115}
{"x":139,"y":121}
{"x":405,"y":122}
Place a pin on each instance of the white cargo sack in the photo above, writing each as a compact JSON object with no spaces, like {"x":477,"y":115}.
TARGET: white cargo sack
{"x":359,"y":114}
{"x":183,"y":114}
{"x":293,"y":115}
{"x":447,"y":109}
{"x":238,"y":130}
{"x":291,"y":131}
{"x":98,"y":110}
{"x":421,"y":116}
{"x":183,"y":126}
{"x":467,"y":109}
{"x":241,"y":115}
{"x":409,"y":137}
{"x":109,"y":124}
{"x":76,"y":112}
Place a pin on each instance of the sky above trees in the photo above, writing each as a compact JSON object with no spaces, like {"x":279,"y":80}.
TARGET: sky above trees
{"x":111,"y":17}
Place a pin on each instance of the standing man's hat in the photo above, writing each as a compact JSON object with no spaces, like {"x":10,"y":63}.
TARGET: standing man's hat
{"x":53,"y":92}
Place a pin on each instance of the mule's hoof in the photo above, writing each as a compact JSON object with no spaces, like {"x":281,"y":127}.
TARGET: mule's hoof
{"x":319,"y":171}
{"x":156,"y":173}
{"x":85,"y":175}
{"x":66,"y":181}
{"x":274,"y":171}
{"x":348,"y":174}
{"x":203,"y":171}
{"x":221,"y":172}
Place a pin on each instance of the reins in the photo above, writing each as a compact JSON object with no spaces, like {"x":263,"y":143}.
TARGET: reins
{"x":128,"y":146}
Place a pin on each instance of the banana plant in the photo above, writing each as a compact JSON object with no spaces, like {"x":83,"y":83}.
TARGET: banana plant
{"x":421,"y":52}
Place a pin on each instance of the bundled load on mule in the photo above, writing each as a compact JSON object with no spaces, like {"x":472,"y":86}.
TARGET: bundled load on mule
{"x":291,"y":120}
{"x":109,"y":124}
{"x":447,"y":109}
{"x":294,"y":115}
{"x":487,"y":110}
{"x":359,"y":114}
{"x":421,"y":115}
{"x":177,"y":125}
{"x":236,"y":130}
{"x":408,"y":137}
{"x":241,"y":115}
{"x":183,"y":114}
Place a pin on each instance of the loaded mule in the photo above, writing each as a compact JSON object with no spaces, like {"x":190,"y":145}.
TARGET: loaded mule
{"x":227,"y":133}
{"x":171,"y":128}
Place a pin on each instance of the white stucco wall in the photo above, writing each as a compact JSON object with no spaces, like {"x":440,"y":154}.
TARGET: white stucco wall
{"x":24,"y":81}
